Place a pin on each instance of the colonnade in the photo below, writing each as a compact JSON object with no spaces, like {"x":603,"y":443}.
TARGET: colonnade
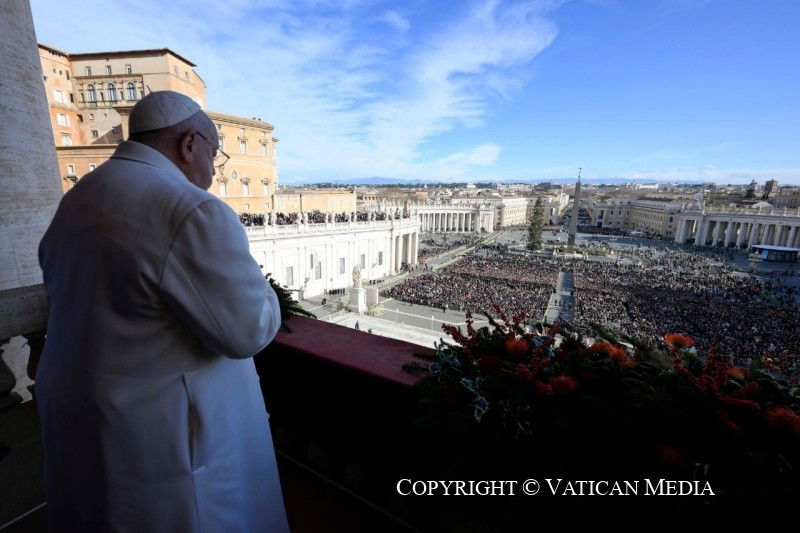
{"x":464,"y":221}
{"x":405,"y":249}
{"x":740,"y":232}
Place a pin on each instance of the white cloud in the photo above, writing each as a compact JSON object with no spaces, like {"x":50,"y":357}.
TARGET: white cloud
{"x":481,"y":155}
{"x":395,"y":20}
{"x":345,"y":103}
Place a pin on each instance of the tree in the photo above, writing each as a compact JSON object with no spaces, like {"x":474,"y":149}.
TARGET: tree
{"x":536,"y":226}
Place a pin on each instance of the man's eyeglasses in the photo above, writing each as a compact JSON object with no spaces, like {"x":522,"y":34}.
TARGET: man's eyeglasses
{"x":220,"y":157}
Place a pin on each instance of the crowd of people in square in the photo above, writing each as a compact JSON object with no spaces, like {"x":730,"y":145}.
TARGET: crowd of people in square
{"x":312,"y":217}
{"x":691,"y":293}
{"x":478,"y":282}
{"x":642,"y":292}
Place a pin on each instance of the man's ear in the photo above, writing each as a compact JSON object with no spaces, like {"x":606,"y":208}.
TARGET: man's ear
{"x":187,"y":149}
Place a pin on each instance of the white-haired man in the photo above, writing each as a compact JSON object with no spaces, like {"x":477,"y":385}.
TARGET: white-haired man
{"x":152,"y":414}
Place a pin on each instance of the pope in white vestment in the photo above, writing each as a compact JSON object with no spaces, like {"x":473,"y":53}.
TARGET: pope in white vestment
{"x":152,"y":415}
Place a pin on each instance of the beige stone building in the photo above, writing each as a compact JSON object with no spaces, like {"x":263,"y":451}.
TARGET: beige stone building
{"x":788,"y":197}
{"x":90,"y":98}
{"x":655,"y":216}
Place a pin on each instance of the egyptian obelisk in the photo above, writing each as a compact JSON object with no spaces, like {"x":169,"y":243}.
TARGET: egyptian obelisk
{"x":573,"y":219}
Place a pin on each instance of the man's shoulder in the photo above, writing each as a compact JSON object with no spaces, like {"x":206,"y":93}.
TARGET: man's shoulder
{"x":140,"y":177}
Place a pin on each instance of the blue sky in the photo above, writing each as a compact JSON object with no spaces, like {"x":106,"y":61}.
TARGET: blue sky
{"x":498,"y":89}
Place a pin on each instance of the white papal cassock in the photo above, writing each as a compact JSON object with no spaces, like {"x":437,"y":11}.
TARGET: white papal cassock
{"x":152,"y":415}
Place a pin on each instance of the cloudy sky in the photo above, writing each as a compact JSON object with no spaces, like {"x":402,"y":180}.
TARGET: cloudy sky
{"x":484,"y":89}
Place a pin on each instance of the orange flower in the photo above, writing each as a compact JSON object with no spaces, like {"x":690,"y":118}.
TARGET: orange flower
{"x":737,"y":373}
{"x":517,"y":348}
{"x":617,"y":353}
{"x":782,"y":418}
{"x":623,"y":359}
{"x":676,"y":341}
{"x":563,"y":384}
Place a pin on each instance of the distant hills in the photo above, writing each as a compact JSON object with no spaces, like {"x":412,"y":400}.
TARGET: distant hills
{"x":377,"y":181}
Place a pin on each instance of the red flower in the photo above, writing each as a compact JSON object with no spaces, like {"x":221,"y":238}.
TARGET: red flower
{"x":523,"y":373}
{"x":489,"y":363}
{"x":543,"y":388}
{"x":563,"y":384}
{"x":782,"y":418}
{"x":676,"y":341}
{"x":517,"y":348}
{"x":670,"y":455}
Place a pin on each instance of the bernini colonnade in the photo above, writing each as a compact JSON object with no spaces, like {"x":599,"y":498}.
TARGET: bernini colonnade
{"x":740,"y":227}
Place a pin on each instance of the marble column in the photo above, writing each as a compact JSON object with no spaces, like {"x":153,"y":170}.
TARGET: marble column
{"x":679,"y":235}
{"x":792,"y":236}
{"x":31,"y":190}
{"x":717,"y":235}
{"x":701,"y":233}
{"x":741,"y":234}
{"x":730,"y":233}
{"x":754,"y":230}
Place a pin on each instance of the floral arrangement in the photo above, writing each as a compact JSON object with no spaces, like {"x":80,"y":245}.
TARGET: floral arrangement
{"x":612,"y":406}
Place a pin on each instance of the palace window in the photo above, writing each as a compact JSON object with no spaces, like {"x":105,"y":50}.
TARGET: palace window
{"x":66,"y":139}
{"x":91,"y":94}
{"x":263,"y":148}
{"x":112,"y":92}
{"x":242,"y":146}
{"x":108,"y":70}
{"x":131,"y":91}
{"x":245,"y":188}
{"x":70,"y":170}
{"x":58,"y":96}
{"x":95,"y":134}
{"x":92,"y":166}
{"x":128,"y":70}
{"x":63,"y":120}
{"x":223,"y":188}
{"x":88,"y":70}
{"x":234,"y":175}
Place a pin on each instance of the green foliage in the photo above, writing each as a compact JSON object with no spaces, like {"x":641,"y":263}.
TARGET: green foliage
{"x":536,"y":226}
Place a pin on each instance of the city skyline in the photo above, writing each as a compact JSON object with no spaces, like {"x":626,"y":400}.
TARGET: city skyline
{"x":696,"y":90}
